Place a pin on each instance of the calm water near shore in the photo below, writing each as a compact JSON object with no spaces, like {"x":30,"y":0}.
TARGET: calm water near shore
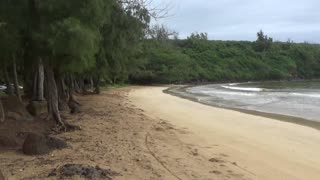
{"x":299,"y":98}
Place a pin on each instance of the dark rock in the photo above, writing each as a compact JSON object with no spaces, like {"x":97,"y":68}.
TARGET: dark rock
{"x":87,"y":172}
{"x":55,"y":143}
{"x":74,"y":107}
{"x":37,"y":107}
{"x":53,"y":173}
{"x":36,"y":144}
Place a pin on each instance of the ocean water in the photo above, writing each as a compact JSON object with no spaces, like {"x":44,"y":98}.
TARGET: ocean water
{"x":298,"y":98}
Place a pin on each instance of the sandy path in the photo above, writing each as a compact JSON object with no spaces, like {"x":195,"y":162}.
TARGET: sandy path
{"x":260,"y":148}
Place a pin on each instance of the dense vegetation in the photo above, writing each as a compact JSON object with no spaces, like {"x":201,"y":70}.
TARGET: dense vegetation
{"x":197,"y":59}
{"x":57,"y":47}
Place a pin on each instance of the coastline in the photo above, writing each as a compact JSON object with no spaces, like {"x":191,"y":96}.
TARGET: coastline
{"x":258,"y":147}
{"x":281,"y":117}
{"x":143,"y":133}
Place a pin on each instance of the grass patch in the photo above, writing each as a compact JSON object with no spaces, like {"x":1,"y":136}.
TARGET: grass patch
{"x":2,"y":94}
{"x":113,"y":86}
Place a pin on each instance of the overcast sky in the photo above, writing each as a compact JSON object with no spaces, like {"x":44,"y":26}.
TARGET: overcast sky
{"x":298,"y":20}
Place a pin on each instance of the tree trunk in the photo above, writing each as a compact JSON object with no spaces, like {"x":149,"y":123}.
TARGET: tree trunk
{"x":38,"y":84}
{"x":96,"y":85}
{"x":2,"y":115}
{"x":82,"y":85}
{"x":72,"y":103}
{"x":71,"y":84}
{"x":52,"y":97}
{"x":62,"y":93}
{"x":15,"y":79}
{"x":9,"y":90}
{"x":76,"y":86}
{"x":91,"y":83}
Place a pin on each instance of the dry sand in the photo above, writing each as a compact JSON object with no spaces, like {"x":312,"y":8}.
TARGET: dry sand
{"x":117,"y":135}
{"x":246,"y":146}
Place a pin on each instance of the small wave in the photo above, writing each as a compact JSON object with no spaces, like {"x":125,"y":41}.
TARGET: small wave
{"x":243,"y":89}
{"x":226,"y":93}
{"x":234,"y":84}
{"x":306,"y":95}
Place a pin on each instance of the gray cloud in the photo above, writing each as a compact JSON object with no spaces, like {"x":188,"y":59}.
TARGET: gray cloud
{"x":298,"y":20}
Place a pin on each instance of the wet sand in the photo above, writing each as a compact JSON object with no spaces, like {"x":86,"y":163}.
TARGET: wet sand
{"x":261,"y":147}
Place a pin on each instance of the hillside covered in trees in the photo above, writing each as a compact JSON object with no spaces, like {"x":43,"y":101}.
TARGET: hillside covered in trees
{"x":197,"y":59}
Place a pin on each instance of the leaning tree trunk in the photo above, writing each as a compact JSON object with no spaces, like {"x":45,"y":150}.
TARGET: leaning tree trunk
{"x":52,"y":97}
{"x":38,"y":82}
{"x":15,"y":79}
{"x":2,"y":115}
{"x":9,"y":90}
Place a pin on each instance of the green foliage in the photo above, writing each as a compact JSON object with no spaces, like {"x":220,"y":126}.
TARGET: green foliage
{"x":98,"y":38}
{"x":73,"y":45}
{"x":197,"y":60}
{"x":106,"y":40}
{"x":121,"y":48}
{"x":263,"y":42}
{"x":2,"y":93}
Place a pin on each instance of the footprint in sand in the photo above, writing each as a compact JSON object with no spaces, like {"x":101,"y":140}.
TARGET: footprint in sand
{"x":215,"y":172}
{"x":216,"y":160}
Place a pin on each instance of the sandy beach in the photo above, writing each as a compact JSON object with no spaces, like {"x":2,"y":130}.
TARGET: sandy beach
{"x":119,"y":136}
{"x":258,"y":147}
{"x":141,"y":133}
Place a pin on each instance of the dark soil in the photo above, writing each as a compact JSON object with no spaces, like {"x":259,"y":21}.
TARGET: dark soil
{"x":84,"y":171}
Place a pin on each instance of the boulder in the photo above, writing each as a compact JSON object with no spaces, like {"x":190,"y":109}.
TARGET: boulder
{"x":36,"y":144}
{"x":37,"y":107}
{"x":74,"y":107}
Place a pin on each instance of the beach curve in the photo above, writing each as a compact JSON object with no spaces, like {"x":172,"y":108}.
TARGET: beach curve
{"x":263,"y":147}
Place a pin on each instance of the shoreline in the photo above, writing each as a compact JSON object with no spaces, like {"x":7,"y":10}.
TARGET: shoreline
{"x":258,"y":147}
{"x":279,"y":117}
